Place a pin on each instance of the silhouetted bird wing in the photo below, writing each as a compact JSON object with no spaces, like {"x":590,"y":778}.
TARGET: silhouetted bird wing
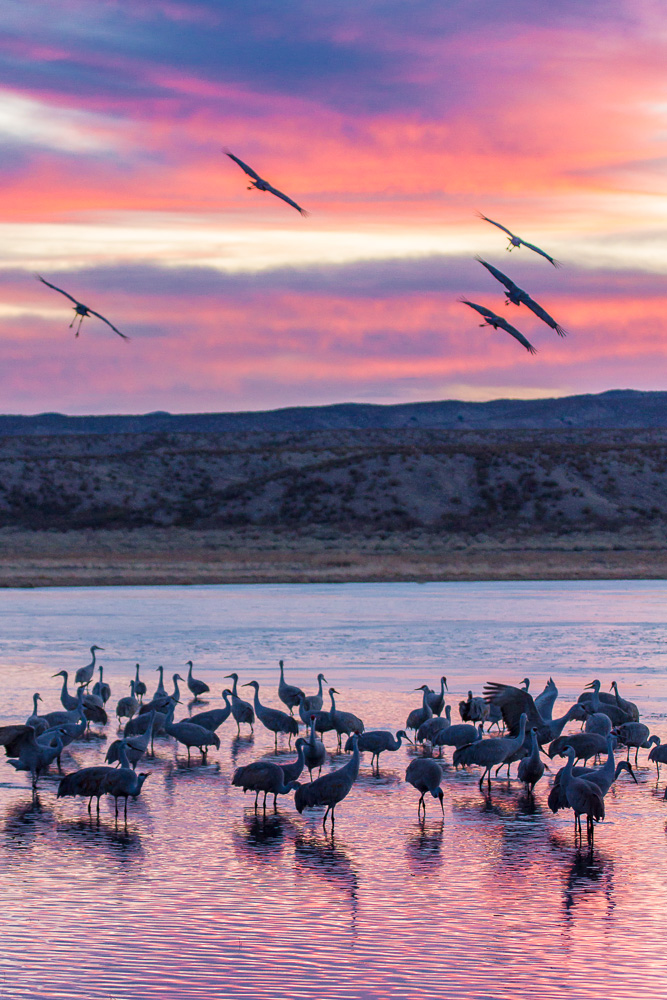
{"x":542,"y":253}
{"x":13,"y":738}
{"x":513,"y":332}
{"x":486,"y":219}
{"x":542,"y":313}
{"x":513,"y":702}
{"x":482,"y":310}
{"x":104,"y":320}
{"x":244,"y":166}
{"x":56,"y":289}
{"x":499,"y":276}
{"x":279,"y":194}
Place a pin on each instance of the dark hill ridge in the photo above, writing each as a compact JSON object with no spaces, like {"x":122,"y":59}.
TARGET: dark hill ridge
{"x":616,"y":409}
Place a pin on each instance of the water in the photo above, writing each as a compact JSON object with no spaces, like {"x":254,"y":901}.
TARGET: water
{"x":198,"y":897}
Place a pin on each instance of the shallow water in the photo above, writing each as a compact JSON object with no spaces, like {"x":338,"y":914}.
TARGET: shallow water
{"x":198,"y":897}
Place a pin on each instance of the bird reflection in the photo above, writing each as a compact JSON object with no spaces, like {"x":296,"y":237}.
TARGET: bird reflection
{"x":261,"y":836}
{"x":238,"y":744}
{"x":316,"y":856}
{"x":24,"y":822}
{"x":589,"y":874}
{"x":423,"y":850}
{"x":115,"y":840}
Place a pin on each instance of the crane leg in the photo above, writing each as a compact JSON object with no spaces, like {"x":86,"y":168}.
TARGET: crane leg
{"x":264,"y":803}
{"x":636,"y":756}
{"x":188,"y":756}
{"x":90,"y":804}
{"x":275,"y":803}
{"x":333,"y":819}
{"x":126,"y":809}
{"x":324,"y":821}
{"x":275,"y":741}
{"x":116,"y":802}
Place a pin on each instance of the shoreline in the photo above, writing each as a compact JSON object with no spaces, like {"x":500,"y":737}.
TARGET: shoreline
{"x":181,"y":557}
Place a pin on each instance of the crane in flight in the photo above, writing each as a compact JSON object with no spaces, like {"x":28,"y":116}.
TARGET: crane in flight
{"x":80,"y":310}
{"x":518,"y":296}
{"x":260,"y":184}
{"x":491,"y":319}
{"x":516,"y":241}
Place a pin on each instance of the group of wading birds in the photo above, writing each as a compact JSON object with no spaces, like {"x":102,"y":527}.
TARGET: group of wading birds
{"x":528,"y":729}
{"x":515,"y":295}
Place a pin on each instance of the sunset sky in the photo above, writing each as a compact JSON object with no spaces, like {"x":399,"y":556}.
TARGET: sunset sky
{"x":393,"y":123}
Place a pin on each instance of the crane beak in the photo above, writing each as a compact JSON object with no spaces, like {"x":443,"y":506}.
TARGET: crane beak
{"x":446,"y":688}
{"x":634,"y":777}
{"x":588,"y":686}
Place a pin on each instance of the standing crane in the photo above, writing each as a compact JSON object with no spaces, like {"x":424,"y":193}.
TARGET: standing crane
{"x":289,"y":694}
{"x":330,"y":789}
{"x":584,"y":798}
{"x":314,"y":750}
{"x":437,"y":700}
{"x":272,"y":718}
{"x":425,"y":774}
{"x":215,"y":717}
{"x":100,"y":688}
{"x":190,"y":735}
{"x":127,"y":706}
{"x":488,"y":754}
{"x":263,"y":776}
{"x":311,"y":703}
{"x":377,"y":741}
{"x":241,"y":710}
{"x":84,"y":675}
{"x":140,"y":688}
{"x":531,"y":768}
{"x":196,"y":687}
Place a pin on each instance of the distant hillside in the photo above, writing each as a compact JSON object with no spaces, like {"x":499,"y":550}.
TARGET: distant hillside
{"x":363,"y":481}
{"x":622,"y":408}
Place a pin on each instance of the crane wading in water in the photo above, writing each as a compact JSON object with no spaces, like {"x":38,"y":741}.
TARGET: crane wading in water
{"x":331,"y":788}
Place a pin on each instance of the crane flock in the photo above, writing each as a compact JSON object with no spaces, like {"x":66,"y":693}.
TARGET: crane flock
{"x":529,"y":733}
{"x":514,"y":294}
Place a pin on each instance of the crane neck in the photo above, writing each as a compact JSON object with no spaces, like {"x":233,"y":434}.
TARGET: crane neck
{"x":319,"y":689}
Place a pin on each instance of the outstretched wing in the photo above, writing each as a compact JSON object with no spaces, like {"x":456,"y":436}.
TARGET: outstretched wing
{"x":13,"y":738}
{"x":542,"y":253}
{"x":513,"y":703}
{"x":513,"y":332}
{"x":56,"y":289}
{"x":99,"y":316}
{"x":482,"y":310}
{"x":244,"y":166}
{"x":502,"y":278}
{"x":544,"y":703}
{"x":284,"y":197}
{"x":542,"y":313}
{"x":487,"y":219}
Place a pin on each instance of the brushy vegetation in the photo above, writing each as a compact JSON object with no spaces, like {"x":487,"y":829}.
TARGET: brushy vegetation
{"x":371,"y":480}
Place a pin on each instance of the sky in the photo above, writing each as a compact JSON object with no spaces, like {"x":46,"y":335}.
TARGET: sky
{"x":394,"y":124}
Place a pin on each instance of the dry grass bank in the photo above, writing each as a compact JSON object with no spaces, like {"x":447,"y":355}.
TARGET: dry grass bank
{"x":157,"y":556}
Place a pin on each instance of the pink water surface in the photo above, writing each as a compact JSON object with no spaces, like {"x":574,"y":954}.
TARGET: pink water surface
{"x":199,"y":897}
